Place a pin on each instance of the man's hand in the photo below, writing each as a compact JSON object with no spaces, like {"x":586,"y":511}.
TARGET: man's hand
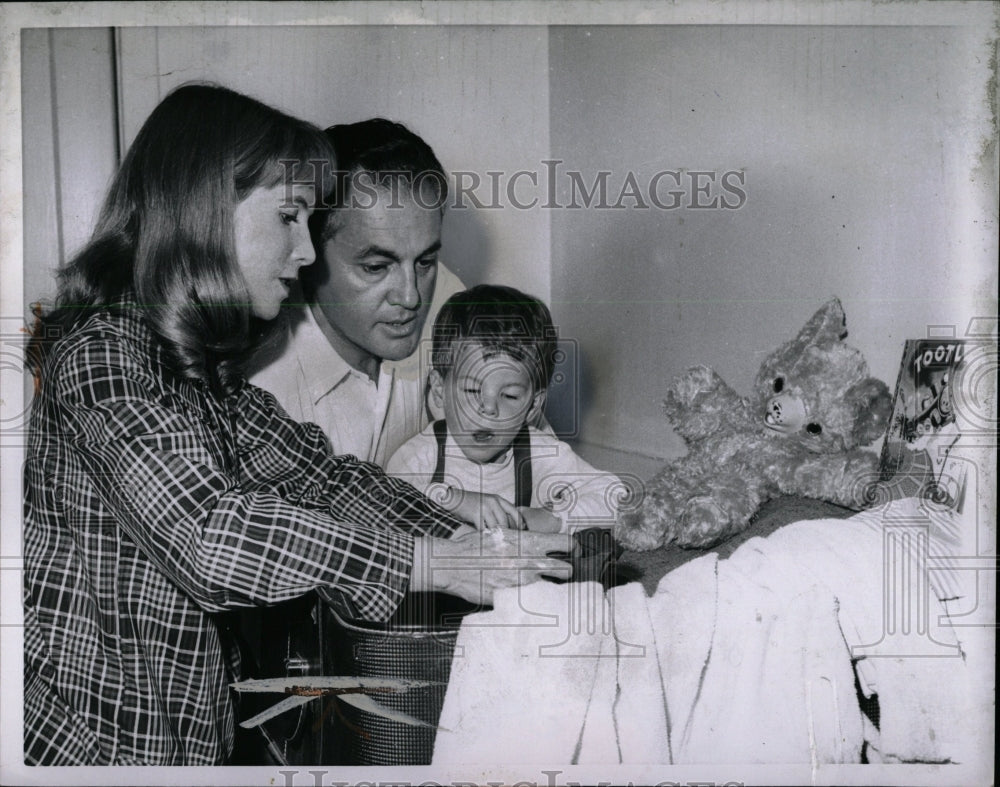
{"x":474,"y":565}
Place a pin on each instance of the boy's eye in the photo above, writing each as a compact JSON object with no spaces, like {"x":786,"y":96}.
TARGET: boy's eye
{"x":512,"y":397}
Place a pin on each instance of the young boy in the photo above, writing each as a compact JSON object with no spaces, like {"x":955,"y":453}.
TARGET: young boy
{"x":492,"y":356}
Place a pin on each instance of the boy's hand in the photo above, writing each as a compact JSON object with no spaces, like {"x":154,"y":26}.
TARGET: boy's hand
{"x":484,"y":511}
{"x":541,"y":520}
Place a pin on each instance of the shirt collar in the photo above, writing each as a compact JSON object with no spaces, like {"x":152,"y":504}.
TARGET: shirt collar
{"x":322,"y":367}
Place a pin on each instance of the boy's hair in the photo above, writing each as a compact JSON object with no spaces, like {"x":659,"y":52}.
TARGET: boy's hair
{"x":502,"y":319}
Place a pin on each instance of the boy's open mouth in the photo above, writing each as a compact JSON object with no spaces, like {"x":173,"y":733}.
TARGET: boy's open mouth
{"x":482,"y":436}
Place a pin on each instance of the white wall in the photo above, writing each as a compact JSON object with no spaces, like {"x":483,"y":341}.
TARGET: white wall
{"x":869,"y":175}
{"x":70,"y":147}
{"x":866,"y":151}
{"x":461,"y":88}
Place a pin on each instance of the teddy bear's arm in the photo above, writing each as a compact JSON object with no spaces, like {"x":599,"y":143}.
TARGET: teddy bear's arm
{"x":839,"y":478}
{"x":700,"y":403}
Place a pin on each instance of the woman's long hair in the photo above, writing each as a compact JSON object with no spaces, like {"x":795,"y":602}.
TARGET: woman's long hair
{"x":165,"y":235}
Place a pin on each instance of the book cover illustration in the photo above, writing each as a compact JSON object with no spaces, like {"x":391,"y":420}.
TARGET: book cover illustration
{"x":916,"y":456}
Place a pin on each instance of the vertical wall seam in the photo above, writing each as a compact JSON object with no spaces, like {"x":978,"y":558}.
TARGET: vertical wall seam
{"x":56,"y":161}
{"x":116,"y":92}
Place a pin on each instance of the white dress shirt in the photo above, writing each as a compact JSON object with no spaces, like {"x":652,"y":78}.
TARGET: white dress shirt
{"x":367,"y":419}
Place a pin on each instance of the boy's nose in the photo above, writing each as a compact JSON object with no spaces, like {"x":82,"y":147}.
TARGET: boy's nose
{"x":487,"y":405}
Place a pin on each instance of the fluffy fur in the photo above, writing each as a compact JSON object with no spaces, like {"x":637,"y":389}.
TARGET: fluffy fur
{"x":798,"y":433}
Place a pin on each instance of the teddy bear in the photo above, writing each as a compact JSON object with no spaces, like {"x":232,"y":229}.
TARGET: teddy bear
{"x":813,"y":404}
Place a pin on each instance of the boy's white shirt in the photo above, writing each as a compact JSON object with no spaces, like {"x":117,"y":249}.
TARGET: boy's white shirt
{"x":577,"y":493}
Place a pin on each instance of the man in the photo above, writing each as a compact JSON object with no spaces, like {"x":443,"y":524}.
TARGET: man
{"x":351,"y":362}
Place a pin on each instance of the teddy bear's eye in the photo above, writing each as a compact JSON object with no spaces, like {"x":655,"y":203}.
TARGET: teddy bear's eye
{"x":814,"y":428}
{"x":779,"y":384}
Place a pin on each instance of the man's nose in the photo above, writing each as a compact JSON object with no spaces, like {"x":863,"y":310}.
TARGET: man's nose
{"x":404,"y":292}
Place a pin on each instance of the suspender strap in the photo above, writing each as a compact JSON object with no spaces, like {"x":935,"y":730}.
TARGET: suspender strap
{"x":522,"y":468}
{"x":522,"y":463}
{"x":440,"y":432}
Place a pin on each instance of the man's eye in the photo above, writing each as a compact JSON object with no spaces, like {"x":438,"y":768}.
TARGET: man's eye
{"x":374,"y":268}
{"x":427,"y":264}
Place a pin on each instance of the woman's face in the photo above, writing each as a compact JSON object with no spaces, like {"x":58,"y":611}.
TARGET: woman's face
{"x":272,"y":243}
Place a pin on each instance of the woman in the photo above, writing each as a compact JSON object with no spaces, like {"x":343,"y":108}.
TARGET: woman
{"x":160,"y":488}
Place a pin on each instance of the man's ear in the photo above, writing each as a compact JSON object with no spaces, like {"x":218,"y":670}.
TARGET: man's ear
{"x":535,"y":411}
{"x":435,"y":390}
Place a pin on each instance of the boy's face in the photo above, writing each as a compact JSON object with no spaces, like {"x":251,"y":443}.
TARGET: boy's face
{"x":487,"y":397}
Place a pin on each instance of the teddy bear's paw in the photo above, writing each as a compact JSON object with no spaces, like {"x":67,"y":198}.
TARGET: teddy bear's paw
{"x":695,"y":384}
{"x":639,"y":532}
{"x":861,"y":485}
{"x":703,"y":522}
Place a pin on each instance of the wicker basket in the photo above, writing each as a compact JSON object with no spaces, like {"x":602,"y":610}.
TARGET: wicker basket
{"x":417,"y":643}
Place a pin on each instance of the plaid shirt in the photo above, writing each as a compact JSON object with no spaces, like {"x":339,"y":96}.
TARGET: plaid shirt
{"x":151,"y":506}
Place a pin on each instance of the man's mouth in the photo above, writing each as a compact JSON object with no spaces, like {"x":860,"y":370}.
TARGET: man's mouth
{"x":401,"y":327}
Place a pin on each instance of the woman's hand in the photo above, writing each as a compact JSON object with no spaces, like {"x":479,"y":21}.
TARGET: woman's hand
{"x":474,"y":565}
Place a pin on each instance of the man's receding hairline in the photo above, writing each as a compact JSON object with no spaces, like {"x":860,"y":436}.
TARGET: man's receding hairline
{"x":329,"y":228}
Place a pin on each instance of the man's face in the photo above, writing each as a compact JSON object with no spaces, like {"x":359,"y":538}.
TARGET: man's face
{"x":381,"y":265}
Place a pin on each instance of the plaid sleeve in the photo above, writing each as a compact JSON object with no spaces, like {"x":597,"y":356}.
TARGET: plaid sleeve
{"x":159,"y":466}
{"x":298,"y":459}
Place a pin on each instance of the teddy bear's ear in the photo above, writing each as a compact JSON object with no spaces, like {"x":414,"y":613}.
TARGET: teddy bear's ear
{"x":872,"y":405}
{"x":827,"y":325}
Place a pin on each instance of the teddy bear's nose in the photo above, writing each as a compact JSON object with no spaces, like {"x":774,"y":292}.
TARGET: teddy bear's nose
{"x":784,"y":413}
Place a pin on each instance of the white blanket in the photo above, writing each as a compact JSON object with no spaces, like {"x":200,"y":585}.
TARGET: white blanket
{"x":751,"y":659}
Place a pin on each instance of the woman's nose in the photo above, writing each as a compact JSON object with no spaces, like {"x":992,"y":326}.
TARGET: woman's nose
{"x":304,"y":253}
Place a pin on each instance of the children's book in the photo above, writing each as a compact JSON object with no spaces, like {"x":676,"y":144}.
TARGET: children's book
{"x":917,"y":458}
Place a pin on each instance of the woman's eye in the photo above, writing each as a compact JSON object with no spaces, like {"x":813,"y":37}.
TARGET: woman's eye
{"x":779,"y":384}
{"x":290,"y":218}
{"x":814,"y":428}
